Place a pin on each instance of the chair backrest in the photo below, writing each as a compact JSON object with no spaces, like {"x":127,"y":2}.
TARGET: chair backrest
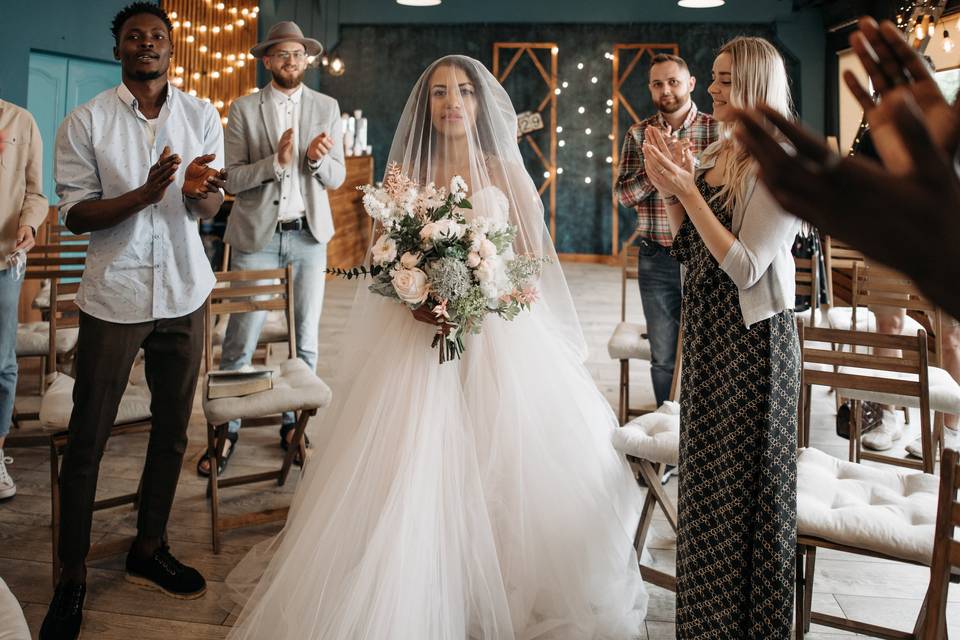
{"x":63,"y":313}
{"x":876,"y":285}
{"x":946,"y":550}
{"x":250,"y":291}
{"x":808,"y":279}
{"x":839,"y":259}
{"x":630,"y":266}
{"x":54,"y":261}
{"x":847,"y":353}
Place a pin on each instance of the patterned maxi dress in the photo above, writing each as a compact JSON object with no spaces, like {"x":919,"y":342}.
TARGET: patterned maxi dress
{"x":737,"y":506}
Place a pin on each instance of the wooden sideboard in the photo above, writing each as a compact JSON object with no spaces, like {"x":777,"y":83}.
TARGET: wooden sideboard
{"x":350,"y":222}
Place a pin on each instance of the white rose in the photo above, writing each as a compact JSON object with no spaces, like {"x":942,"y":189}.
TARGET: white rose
{"x":384,"y":250}
{"x":458,"y":185}
{"x":411,"y":285}
{"x":447,"y":229}
{"x":428,"y":230}
{"x":486,"y":271}
{"x":410,"y":260}
{"x":487,"y":249}
{"x":473,"y":259}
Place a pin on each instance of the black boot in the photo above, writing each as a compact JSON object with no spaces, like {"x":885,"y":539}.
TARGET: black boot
{"x":165,"y":573}
{"x":65,"y":614}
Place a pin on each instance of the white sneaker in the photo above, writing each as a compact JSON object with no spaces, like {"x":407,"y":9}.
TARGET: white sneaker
{"x":8,"y":488}
{"x":890,"y":429}
{"x":951,"y":440}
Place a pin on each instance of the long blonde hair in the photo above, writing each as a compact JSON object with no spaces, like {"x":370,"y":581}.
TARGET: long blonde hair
{"x":759,"y":76}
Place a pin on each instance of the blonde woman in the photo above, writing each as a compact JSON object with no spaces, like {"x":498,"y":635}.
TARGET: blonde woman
{"x":737,"y":534}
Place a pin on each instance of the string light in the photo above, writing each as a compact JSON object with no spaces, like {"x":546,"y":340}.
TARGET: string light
{"x":581,"y":109}
{"x":216,"y":77}
{"x":588,"y":131}
{"x":588,"y":180}
{"x":562,"y":143}
{"x":610,"y":102}
{"x":565,"y":84}
{"x":557,"y":91}
{"x":546,"y":174}
{"x":609,"y":160}
{"x":559,"y":129}
{"x":589,"y":154}
{"x":555,"y":50}
{"x":580,"y":66}
{"x":593,"y":79}
{"x":559,"y":170}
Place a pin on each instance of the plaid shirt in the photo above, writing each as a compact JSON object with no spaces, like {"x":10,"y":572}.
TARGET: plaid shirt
{"x":636,"y":191}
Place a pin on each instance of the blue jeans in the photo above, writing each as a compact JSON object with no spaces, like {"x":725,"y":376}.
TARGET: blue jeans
{"x":309,"y":260}
{"x":9,"y":299}
{"x":659,"y":279}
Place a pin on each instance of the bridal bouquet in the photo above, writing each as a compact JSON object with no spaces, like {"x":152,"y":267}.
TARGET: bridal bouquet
{"x":430,"y":256}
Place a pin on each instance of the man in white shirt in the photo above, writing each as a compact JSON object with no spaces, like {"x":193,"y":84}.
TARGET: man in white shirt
{"x":145,"y":282}
{"x":284,"y":149}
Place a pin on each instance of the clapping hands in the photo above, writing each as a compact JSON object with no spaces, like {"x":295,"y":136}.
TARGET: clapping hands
{"x":319,"y":147}
{"x":200,"y":180}
{"x":669,"y":163}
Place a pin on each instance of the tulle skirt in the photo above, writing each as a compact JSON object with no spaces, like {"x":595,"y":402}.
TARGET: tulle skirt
{"x":477,"y":499}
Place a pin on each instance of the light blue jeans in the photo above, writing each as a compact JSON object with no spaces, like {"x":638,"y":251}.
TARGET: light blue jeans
{"x":9,"y":299}
{"x":309,"y":260}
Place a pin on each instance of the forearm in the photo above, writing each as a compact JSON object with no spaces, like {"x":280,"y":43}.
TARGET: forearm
{"x":676,"y":214}
{"x":716,"y":237}
{"x":95,"y":215}
{"x":205,"y":208}
{"x":242,"y":177}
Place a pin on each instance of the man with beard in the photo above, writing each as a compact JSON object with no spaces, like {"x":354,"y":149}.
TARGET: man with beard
{"x":284,"y":149}
{"x":146,"y":279}
{"x":658,"y":273}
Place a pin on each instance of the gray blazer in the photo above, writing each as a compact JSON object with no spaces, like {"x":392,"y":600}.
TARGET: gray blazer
{"x":250,"y":143}
{"x":760,"y":261}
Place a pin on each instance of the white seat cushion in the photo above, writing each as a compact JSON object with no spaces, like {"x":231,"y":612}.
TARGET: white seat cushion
{"x":628,"y":343}
{"x":878,"y":509}
{"x":42,"y":299}
{"x":33,"y":339}
{"x":944,"y":390}
{"x":295,"y":387}
{"x":842,"y":318}
{"x":652,"y":436}
{"x":56,"y":405}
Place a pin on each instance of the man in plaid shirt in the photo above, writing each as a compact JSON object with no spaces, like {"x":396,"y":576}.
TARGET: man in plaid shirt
{"x":659,"y":274}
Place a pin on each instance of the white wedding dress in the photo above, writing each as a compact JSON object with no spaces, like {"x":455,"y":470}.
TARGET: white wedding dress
{"x":479,"y":498}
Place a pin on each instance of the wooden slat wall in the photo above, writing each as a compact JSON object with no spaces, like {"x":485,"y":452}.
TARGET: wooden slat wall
{"x":352,"y":224}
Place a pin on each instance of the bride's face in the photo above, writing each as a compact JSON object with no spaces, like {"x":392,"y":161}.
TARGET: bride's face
{"x":453,"y":101}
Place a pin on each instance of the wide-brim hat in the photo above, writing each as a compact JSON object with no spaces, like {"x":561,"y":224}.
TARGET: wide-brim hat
{"x":286,"y":32}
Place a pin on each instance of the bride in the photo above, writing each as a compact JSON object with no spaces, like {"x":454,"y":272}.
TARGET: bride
{"x":479,"y":498}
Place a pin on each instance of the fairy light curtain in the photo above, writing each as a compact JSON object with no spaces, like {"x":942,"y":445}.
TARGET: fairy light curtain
{"x":211,"y":43}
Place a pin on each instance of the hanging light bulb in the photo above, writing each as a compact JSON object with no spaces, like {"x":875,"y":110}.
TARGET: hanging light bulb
{"x":336,"y":67}
{"x":557,"y":91}
{"x":565,"y":84}
{"x":173,"y":15}
{"x":559,"y":170}
{"x":589,"y":154}
{"x":203,"y":28}
{"x":559,"y":129}
{"x":190,"y":39}
{"x":947,"y":42}
{"x":609,"y":160}
{"x":179,"y":71}
{"x":580,"y":65}
{"x":588,"y":131}
{"x":588,"y":180}
{"x":215,"y":30}
{"x":203,"y":48}
{"x":196,"y":75}
{"x":555,"y":50}
{"x":581,"y":109}
{"x":186,"y":24}
{"x":562,"y":143}
{"x":546,"y":174}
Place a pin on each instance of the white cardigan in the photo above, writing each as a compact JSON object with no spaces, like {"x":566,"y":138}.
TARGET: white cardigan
{"x":760,"y":261}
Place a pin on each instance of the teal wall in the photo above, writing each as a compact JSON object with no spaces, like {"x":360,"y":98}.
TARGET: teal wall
{"x":70,"y":27}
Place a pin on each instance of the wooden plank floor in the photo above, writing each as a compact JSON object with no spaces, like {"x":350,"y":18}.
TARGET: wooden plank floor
{"x":872,"y":590}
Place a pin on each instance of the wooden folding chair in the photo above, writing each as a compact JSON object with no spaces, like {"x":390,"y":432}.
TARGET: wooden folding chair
{"x":55,"y":410}
{"x":946,"y":550}
{"x":904,"y":380}
{"x":875,"y":512}
{"x":649,"y":459}
{"x":295,"y":388}
{"x":629,"y":340}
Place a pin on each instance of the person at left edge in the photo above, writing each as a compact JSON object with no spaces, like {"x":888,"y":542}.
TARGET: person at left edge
{"x":120,"y":178}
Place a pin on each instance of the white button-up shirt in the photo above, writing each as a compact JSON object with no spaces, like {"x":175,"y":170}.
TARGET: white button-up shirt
{"x":152,"y":265}
{"x":288,"y":117}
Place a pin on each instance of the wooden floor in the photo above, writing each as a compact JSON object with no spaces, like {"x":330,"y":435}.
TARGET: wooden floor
{"x":872,"y":590}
